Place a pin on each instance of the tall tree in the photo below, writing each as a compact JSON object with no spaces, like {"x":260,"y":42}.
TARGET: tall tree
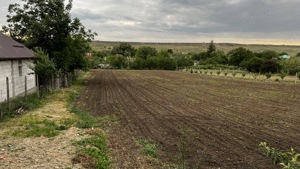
{"x":211,"y":48}
{"x":48,"y":24}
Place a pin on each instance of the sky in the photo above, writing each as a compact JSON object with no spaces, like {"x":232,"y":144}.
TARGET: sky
{"x":194,"y":21}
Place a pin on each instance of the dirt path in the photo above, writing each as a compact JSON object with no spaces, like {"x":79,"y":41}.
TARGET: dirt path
{"x":228,"y":118}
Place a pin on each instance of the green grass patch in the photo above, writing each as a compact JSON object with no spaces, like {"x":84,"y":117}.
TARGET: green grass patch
{"x":34,"y":126}
{"x":95,"y":147}
{"x":149,"y":148}
{"x":32,"y":102}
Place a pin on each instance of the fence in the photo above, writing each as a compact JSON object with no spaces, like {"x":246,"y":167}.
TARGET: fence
{"x":11,"y":89}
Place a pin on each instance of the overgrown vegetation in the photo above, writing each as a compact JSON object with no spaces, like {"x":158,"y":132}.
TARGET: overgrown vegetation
{"x":288,"y":160}
{"x":149,"y":148}
{"x":19,"y":105}
{"x":94,"y":147}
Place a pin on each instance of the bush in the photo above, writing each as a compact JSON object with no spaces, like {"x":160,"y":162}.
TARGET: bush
{"x":243,"y":74}
{"x":117,"y":61}
{"x":254,"y":64}
{"x":237,"y":56}
{"x":270,"y":66}
{"x":268,"y":75}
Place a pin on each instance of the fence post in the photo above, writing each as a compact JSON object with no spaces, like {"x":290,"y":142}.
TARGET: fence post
{"x":8,"y":99}
{"x":26,"y":88}
{"x":1,"y":113}
{"x":38,"y":85}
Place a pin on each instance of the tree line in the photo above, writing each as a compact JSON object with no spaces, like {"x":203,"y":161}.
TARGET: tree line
{"x":126,"y":56}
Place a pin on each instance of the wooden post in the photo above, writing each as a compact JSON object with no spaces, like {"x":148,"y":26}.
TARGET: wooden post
{"x":26,"y":88}
{"x":8,"y":99}
{"x":38,"y":85}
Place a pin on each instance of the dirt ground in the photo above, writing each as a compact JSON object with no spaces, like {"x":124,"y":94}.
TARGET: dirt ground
{"x":226,"y":118}
{"x":40,"y":152}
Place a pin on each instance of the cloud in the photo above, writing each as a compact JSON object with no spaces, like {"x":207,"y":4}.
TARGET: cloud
{"x":189,"y":20}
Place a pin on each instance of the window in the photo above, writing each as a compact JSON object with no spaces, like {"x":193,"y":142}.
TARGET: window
{"x":20,"y":67}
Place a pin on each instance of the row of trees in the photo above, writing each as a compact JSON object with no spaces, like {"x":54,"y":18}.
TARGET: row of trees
{"x":146,"y":57}
{"x":264,"y":62}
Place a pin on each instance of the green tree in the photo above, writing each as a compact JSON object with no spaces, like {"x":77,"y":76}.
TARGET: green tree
{"x":124,"y":49}
{"x":217,"y":57}
{"x":237,"y":56}
{"x":146,"y":51}
{"x":253,"y":64}
{"x":270,"y":65}
{"x":183,"y":61}
{"x":268,"y":54}
{"x":47,"y":24}
{"x":117,"y":61}
{"x":44,"y":67}
{"x":211,"y":48}
{"x":291,"y":66}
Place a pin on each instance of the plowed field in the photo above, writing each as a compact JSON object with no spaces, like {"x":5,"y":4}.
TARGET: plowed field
{"x":227,"y":118}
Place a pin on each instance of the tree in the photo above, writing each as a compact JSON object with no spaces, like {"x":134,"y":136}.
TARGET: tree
{"x":253,"y":64}
{"x":291,"y":66}
{"x":146,"y":51}
{"x":268,"y":54}
{"x":44,"y":67}
{"x":47,"y":24}
{"x":117,"y":61}
{"x":270,"y":65}
{"x":217,"y":57}
{"x":124,"y":49}
{"x":237,"y":56}
{"x":211,"y":48}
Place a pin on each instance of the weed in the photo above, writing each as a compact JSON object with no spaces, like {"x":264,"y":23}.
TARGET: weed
{"x":268,"y":75}
{"x":243,"y":74}
{"x":149,"y":148}
{"x":233,"y":74}
{"x":95,"y":147}
{"x":282,"y":75}
{"x":19,"y":105}
{"x":34,"y":127}
{"x":289,"y":160}
{"x":184,"y":139}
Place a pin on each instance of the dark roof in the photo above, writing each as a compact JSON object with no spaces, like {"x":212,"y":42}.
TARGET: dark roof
{"x":10,"y":49}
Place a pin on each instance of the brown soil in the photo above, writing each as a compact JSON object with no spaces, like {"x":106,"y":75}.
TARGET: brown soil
{"x":228,"y":118}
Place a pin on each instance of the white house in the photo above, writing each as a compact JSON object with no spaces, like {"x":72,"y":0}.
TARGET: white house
{"x":15,"y":59}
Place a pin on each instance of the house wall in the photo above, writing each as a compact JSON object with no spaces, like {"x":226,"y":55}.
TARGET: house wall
{"x":11,"y":70}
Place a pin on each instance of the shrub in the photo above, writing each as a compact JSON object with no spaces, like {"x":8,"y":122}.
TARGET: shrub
{"x":233,"y":74}
{"x":268,"y":75}
{"x":282,"y":75}
{"x":218,"y":73}
{"x":211,"y":73}
{"x":225,"y":74}
{"x":243,"y":74}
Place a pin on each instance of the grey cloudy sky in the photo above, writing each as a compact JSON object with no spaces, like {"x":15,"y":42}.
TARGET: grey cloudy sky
{"x":235,"y":21}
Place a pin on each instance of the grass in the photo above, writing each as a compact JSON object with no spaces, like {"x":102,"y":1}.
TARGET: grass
{"x":94,"y":147}
{"x":32,"y":102}
{"x":149,"y":149}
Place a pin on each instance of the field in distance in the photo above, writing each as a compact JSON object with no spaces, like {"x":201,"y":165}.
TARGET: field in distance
{"x":200,"y":47}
